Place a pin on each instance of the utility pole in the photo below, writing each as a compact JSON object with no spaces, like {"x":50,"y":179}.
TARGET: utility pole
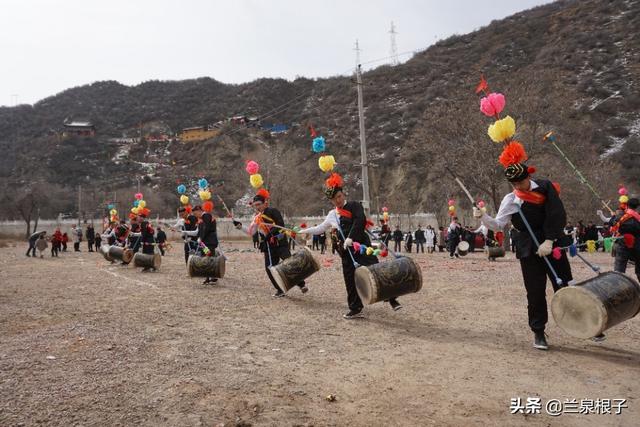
{"x":79,"y":203}
{"x":394,"y":47}
{"x":138,"y":181}
{"x":363,"y":141}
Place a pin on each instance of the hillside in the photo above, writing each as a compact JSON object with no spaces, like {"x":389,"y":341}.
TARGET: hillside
{"x":570,"y":66}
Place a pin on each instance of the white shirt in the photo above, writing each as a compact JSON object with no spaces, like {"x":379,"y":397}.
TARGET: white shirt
{"x":510,"y":205}
{"x":331,"y":221}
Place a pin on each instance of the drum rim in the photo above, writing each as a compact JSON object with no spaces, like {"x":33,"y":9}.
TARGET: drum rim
{"x":222,"y":266}
{"x":189,"y":267}
{"x":157,"y":257}
{"x":577,"y":290}
{"x":373,"y":294}
{"x":417,"y":266}
{"x":278,"y":278}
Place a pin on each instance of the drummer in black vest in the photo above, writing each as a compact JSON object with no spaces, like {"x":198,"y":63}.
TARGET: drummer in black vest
{"x":350,"y":221}
{"x":134,"y":241}
{"x":188,"y":226}
{"x":273,"y":242}
{"x":540,"y":204}
{"x":207,"y":234}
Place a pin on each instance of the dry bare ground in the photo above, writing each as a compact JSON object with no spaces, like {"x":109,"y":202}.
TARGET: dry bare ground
{"x":86,"y":343}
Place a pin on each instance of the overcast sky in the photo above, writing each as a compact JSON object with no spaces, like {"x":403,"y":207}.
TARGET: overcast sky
{"x":48,"y":46}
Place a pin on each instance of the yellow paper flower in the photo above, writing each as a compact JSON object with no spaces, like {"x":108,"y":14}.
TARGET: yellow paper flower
{"x":502,"y":129}
{"x":113,"y":212}
{"x":142,"y":204}
{"x":184,"y":199}
{"x":623,"y":199}
{"x":326,"y":163}
{"x":204,"y":195}
{"x":369,"y":251}
{"x":591,"y":246}
{"x":256,"y":180}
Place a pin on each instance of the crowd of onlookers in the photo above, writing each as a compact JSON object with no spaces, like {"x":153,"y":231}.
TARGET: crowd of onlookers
{"x":58,"y":241}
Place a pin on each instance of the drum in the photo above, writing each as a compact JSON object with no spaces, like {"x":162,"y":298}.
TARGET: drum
{"x":294,"y":269}
{"x":494,"y":252}
{"x":463,"y":248}
{"x":121,"y":254}
{"x":206,"y":266}
{"x":104,"y":250}
{"x":147,"y":260}
{"x":595,"y":305}
{"x":389,"y":279}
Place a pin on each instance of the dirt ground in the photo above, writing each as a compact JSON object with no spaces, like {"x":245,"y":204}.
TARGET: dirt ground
{"x":83,"y":342}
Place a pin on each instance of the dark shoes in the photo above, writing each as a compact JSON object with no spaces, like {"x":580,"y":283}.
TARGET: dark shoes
{"x":304,"y":289}
{"x":599,"y":338}
{"x":540,"y":341}
{"x":278,"y":294}
{"x":353,"y":314}
{"x":210,"y":281}
{"x":395,"y":305}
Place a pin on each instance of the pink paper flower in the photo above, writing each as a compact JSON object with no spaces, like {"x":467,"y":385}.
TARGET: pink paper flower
{"x":622,"y":191}
{"x":556,"y":253}
{"x":252,"y":167}
{"x":492,"y":104}
{"x":356,"y":246}
{"x":481,"y":204}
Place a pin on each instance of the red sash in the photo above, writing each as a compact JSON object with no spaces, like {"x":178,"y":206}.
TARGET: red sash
{"x":534,"y":197}
{"x":347,"y":214}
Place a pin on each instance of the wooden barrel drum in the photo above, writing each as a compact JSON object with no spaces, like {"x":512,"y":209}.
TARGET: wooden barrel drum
{"x":494,"y":252}
{"x":294,"y":269}
{"x":206,"y":266}
{"x":104,"y":250}
{"x":121,"y":254}
{"x":463,"y":248}
{"x":147,"y":260}
{"x":595,"y":305}
{"x":389,"y":279}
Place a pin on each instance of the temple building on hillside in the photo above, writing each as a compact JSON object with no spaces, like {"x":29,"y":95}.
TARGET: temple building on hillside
{"x":72,"y":128}
{"x":198,"y":133}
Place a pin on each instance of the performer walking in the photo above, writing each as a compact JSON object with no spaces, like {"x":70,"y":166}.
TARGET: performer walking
{"x":188,"y":225}
{"x":420,"y":239}
{"x":273,"y":242}
{"x":454,"y":233}
{"x":628,"y":248}
{"x":537,"y":203}
{"x":350,"y":221}
{"x":207,"y":235}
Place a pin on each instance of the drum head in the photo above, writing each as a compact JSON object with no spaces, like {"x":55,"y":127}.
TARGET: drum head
{"x":157,"y":260}
{"x":463,"y":246}
{"x":280,"y":281}
{"x":127,"y":256}
{"x":190,"y":266}
{"x":578,"y":312}
{"x":221,"y":266}
{"x":364,"y":285}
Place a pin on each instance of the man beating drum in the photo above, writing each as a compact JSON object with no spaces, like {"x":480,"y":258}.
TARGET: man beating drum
{"x":536,"y":211}
{"x":350,"y":221}
{"x":273,"y":242}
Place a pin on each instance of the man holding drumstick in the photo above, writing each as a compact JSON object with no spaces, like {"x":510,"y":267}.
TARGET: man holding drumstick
{"x":350,"y":221}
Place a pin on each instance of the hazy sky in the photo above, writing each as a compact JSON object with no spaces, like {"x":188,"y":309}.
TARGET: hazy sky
{"x":48,"y":46}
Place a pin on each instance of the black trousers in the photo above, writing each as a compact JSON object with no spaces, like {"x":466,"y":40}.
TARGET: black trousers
{"x":453,"y":245}
{"x":349,"y":274}
{"x":188,"y":245}
{"x":419,"y":245}
{"x":272,"y":257}
{"x":90,"y":245}
{"x":76,"y":246}
{"x":161,"y":247}
{"x":397,"y":245}
{"x":535,"y":272}
{"x":623,"y":256}
{"x":32,"y":247}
